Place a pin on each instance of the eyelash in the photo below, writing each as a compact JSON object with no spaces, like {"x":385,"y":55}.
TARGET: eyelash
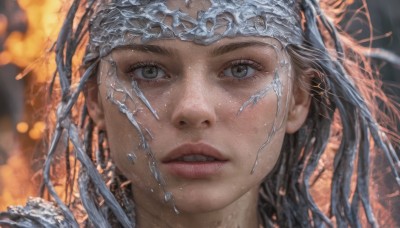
{"x":138,"y":65}
{"x":247,"y":62}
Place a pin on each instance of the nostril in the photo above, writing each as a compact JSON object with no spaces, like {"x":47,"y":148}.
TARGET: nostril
{"x":182,"y":123}
{"x":207,"y":123}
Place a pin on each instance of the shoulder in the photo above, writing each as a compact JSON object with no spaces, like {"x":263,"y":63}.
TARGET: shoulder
{"x":36,"y":213}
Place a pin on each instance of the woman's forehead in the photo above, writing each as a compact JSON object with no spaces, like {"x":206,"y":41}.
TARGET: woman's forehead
{"x":202,"y":22}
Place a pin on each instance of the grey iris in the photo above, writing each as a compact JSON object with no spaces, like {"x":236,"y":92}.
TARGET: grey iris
{"x":150,"y":72}
{"x":239,"y":71}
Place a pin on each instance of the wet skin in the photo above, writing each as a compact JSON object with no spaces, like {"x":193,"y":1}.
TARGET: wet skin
{"x":197,"y":92}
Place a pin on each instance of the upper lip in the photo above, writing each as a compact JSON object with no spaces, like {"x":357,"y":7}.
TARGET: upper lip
{"x":193,"y":149}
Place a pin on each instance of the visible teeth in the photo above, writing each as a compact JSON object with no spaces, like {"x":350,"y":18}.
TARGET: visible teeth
{"x":196,"y":158}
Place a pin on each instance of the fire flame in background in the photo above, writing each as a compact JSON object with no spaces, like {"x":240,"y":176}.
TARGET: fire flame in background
{"x":26,"y":50}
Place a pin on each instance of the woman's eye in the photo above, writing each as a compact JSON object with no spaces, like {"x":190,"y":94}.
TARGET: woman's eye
{"x":149,"y":72}
{"x":239,"y":71}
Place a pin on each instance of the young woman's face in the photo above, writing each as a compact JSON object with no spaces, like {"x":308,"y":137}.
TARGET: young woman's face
{"x":221,"y":108}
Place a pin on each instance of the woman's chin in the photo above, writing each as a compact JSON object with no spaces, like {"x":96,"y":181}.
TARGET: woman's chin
{"x":199,"y":206}
{"x":204,"y":201}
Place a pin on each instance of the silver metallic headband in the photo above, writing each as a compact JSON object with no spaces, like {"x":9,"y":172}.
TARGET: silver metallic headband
{"x":125,"y":21}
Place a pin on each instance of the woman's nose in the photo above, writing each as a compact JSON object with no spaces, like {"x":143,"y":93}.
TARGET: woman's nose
{"x":193,"y":107}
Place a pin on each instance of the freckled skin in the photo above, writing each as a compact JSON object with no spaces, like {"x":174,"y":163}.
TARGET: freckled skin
{"x":197,"y":97}
{"x":197,"y":100}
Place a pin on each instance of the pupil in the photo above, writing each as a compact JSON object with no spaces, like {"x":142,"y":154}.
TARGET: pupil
{"x":150,"y":72}
{"x":239,"y":71}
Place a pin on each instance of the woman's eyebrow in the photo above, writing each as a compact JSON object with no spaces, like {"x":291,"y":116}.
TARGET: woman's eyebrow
{"x":147,"y":48}
{"x":235,"y":46}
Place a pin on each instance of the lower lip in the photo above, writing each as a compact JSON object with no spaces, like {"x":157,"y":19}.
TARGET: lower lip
{"x":194,"y":170}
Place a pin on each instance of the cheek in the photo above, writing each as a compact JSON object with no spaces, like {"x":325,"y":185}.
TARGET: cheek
{"x":260,"y":141}
{"x":269,"y":155}
{"x":256,"y":121}
{"x":260,"y":130}
{"x":123,"y":139}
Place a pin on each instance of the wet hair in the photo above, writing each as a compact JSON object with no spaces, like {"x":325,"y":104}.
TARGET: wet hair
{"x":344,"y":94}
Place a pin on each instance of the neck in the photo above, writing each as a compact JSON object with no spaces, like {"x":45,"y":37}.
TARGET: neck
{"x":241,"y":213}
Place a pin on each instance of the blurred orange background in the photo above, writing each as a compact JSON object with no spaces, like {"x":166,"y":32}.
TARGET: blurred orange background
{"x":27,"y":30}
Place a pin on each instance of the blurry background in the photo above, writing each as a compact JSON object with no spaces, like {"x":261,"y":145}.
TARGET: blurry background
{"x":12,"y":19}
{"x":385,"y":22}
{"x":27,"y":29}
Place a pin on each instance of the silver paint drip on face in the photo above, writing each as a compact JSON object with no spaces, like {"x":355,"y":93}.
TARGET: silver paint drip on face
{"x":121,"y":23}
{"x":119,"y":95}
{"x":277,"y":86}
